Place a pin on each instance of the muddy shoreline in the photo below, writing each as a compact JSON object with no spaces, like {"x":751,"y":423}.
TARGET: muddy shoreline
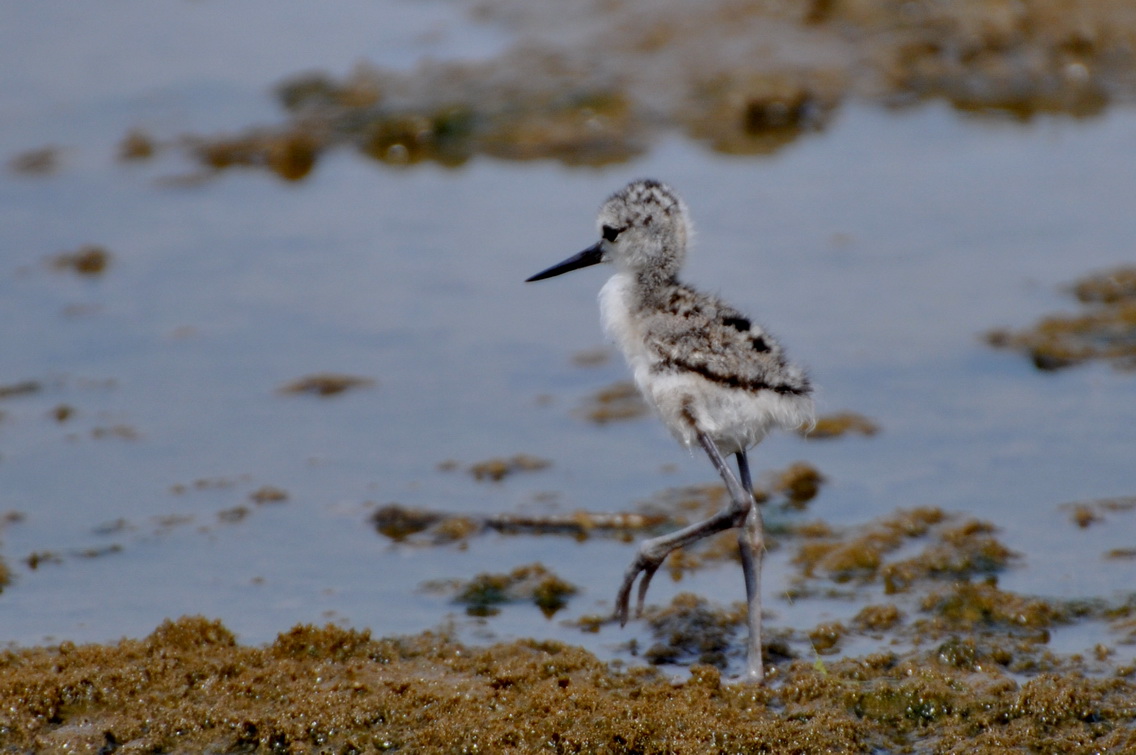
{"x":189,"y":687}
{"x":955,"y":663}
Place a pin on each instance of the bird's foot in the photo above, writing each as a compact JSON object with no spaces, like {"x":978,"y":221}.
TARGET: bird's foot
{"x":645,"y":563}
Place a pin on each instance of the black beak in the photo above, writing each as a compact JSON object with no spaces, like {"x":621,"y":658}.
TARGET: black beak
{"x":591,"y":256}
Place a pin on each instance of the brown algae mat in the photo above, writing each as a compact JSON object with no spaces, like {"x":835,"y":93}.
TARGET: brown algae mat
{"x":953,"y":664}
{"x":740,"y":76}
{"x":189,"y":687}
{"x":1104,"y":330}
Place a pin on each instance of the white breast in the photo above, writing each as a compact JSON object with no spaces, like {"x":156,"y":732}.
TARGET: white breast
{"x":663,"y":392}
{"x":616,"y":305}
{"x":615,"y":312}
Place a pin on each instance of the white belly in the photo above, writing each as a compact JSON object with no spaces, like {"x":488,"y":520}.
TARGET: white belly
{"x":687,"y":403}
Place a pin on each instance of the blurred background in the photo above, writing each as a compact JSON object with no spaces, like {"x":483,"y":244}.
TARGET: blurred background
{"x":264,"y":324}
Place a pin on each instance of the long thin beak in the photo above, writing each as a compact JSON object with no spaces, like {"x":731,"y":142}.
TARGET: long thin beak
{"x":591,"y":256}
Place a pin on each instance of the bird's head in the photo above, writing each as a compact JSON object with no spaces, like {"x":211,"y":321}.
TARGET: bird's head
{"x":643,"y":227}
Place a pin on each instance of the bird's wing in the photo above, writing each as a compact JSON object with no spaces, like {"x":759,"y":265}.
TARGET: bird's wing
{"x":723,"y":346}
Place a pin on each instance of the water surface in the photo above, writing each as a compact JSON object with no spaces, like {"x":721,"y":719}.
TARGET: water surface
{"x":879,"y":250}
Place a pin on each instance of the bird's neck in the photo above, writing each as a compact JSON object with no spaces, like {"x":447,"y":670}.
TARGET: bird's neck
{"x":653,"y":286}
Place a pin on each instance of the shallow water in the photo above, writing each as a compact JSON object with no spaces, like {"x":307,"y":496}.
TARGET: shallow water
{"x":879,"y":250}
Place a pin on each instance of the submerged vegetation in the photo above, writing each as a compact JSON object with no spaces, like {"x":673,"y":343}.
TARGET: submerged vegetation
{"x":1104,"y":329}
{"x":743,"y":78}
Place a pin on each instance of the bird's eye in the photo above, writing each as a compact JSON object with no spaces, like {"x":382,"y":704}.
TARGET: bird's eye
{"x":610,"y":234}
